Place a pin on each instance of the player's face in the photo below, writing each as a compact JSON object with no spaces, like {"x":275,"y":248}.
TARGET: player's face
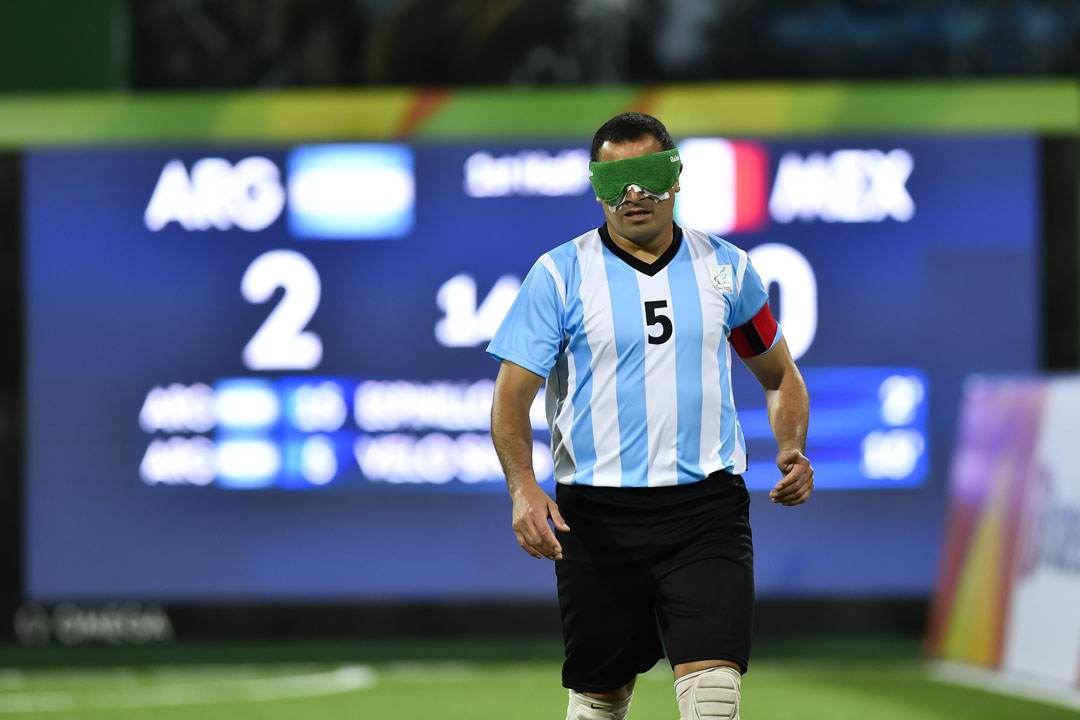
{"x":640,"y":219}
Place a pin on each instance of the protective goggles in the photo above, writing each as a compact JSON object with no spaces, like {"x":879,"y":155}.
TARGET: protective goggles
{"x":654,"y":175}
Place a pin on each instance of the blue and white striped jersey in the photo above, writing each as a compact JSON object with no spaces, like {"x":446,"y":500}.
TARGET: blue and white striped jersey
{"x":636,"y":357}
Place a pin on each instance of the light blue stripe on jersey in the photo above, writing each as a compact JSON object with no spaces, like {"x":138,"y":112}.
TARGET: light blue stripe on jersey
{"x":581,"y":432}
{"x":686,"y":307}
{"x":629,"y":327}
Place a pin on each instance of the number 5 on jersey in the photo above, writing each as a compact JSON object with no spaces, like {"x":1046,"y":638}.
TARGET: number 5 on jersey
{"x":653,"y":317}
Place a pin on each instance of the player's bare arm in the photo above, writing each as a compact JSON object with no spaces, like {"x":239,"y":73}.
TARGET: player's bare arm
{"x":511,"y":432}
{"x":789,"y":412}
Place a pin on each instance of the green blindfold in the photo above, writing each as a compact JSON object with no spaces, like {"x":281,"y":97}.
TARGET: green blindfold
{"x":657,"y":173}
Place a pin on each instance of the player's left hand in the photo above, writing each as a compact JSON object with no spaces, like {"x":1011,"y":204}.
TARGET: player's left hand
{"x":794,"y":488}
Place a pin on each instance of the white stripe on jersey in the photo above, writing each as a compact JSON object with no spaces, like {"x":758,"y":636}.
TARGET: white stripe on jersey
{"x":739,"y":272}
{"x":660,"y":385}
{"x":713,"y":305}
{"x":599,"y":328}
{"x":548,"y":263}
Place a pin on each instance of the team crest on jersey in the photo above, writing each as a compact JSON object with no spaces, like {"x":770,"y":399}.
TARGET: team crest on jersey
{"x":721,"y":278}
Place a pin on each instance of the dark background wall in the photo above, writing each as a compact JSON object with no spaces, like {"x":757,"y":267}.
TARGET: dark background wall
{"x":76,"y":45}
{"x":63,"y":45}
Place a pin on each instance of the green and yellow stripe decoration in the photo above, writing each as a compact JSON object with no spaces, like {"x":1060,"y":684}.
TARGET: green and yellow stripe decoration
{"x":1044,"y":106}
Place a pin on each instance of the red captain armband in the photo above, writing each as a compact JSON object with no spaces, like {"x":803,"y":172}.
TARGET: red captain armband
{"x":756,"y":336}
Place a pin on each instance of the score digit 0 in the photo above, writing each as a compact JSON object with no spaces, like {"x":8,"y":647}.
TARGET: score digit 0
{"x":791,"y":271}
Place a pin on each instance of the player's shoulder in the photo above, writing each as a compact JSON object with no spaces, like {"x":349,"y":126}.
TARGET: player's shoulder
{"x":726,"y":252}
{"x":564,"y":258}
{"x":566,"y":252}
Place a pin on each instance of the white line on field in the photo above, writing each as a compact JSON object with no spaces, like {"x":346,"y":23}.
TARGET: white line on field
{"x":340,"y":680}
{"x":1002,"y":683}
{"x":446,"y":671}
{"x":13,"y":678}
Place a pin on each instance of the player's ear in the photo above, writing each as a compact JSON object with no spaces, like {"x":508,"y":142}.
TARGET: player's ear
{"x":676,"y":188}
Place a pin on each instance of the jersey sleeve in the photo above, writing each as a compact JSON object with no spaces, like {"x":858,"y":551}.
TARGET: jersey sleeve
{"x":755,"y":331}
{"x":531,"y":333}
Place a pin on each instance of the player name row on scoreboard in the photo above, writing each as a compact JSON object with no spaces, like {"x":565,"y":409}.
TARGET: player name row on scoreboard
{"x":316,"y":460}
{"x":437,"y":458}
{"x":307,"y":405}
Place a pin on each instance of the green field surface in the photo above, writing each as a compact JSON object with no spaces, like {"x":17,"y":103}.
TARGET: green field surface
{"x":468,"y":683}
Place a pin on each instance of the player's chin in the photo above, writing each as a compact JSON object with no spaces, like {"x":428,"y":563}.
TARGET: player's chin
{"x":639,"y":229}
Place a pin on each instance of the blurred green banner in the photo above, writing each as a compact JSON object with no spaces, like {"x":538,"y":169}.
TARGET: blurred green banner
{"x":1042,"y":106}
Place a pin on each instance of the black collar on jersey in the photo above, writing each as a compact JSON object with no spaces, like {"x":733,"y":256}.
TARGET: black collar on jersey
{"x":641,"y":266}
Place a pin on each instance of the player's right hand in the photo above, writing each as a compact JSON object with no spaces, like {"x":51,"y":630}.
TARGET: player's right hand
{"x":532,"y":510}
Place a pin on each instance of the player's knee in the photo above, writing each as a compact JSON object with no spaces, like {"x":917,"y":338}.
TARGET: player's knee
{"x":711,"y":694}
{"x":583,"y":707}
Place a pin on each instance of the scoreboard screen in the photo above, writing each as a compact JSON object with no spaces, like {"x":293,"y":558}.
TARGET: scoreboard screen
{"x":258,"y":373}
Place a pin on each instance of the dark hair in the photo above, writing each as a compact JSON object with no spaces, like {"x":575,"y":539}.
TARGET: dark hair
{"x":627,"y":128}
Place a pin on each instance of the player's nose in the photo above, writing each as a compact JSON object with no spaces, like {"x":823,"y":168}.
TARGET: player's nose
{"x":635,"y":194}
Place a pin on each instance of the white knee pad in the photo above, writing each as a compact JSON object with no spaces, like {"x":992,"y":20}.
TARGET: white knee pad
{"x":711,"y":694}
{"x":583,"y":707}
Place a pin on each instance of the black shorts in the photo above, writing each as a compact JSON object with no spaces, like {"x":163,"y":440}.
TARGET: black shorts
{"x":646,"y":570}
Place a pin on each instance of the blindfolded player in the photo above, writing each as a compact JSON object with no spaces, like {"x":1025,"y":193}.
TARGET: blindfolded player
{"x":632,"y":325}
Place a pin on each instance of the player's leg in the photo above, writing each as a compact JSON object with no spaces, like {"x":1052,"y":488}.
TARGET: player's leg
{"x":709,"y":694}
{"x":706,"y":613}
{"x":706,"y":604}
{"x":612,"y":705}
{"x":610,"y":635}
{"x":606,"y":603}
